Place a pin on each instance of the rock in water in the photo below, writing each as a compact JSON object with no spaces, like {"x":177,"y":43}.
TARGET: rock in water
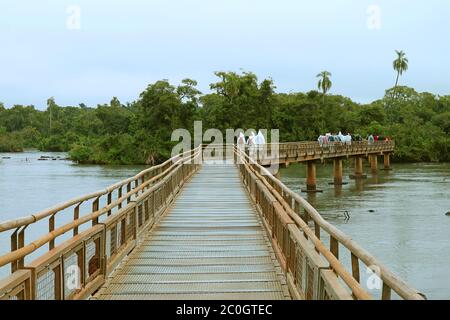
{"x":448,"y":214}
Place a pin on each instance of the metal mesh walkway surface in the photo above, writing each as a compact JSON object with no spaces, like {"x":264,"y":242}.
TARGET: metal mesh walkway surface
{"x":209,"y":245}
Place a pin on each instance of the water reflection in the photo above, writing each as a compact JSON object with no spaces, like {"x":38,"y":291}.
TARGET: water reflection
{"x":311,"y":197}
{"x":337,"y":190}
{"x":359,"y":184}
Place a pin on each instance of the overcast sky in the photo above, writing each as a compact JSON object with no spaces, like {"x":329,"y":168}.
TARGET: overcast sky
{"x":116,"y":48}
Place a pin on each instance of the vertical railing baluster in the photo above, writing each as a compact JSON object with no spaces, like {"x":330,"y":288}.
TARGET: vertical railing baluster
{"x":119,"y":195}
{"x":51,"y":228}
{"x":95,"y":205}
{"x":58,"y":285}
{"x":386,"y":292}
{"x":21,"y":244}
{"x":317,"y":230}
{"x":128,"y":191}
{"x":334,"y":247}
{"x":81,"y":264}
{"x":14,"y":264}
{"x":76,"y":216}
{"x":109,"y":202}
{"x":355,"y":267}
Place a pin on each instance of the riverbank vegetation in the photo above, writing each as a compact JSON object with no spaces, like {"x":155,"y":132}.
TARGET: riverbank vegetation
{"x":139,"y":132}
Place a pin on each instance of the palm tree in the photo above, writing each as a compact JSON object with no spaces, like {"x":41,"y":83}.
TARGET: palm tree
{"x":324,"y":83}
{"x":400,"y":65}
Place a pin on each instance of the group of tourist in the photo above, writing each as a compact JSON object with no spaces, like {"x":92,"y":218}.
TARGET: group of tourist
{"x":328,"y":138}
{"x":374,"y":138}
{"x":253,"y":140}
{"x":325,"y":140}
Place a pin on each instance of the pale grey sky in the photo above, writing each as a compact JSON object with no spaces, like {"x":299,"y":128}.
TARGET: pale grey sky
{"x":121,"y":46}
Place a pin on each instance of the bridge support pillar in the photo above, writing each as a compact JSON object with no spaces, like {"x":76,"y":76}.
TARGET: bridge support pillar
{"x":387,"y":161}
{"x":337,"y":172}
{"x":359,"y":173}
{"x":373,"y":163}
{"x":311,"y":177}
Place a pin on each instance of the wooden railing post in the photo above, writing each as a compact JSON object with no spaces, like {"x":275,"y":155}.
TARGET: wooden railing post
{"x":386,"y":292}
{"x":76,"y":216}
{"x":128,"y":191}
{"x":14,"y":264}
{"x":355,"y":267}
{"x":58,"y":282}
{"x":51,"y":227}
{"x":136,"y":185}
{"x":143,"y":179}
{"x":109,"y":202}
{"x":21,"y":244}
{"x":119,"y":195}
{"x":95,"y":206}
{"x":334,"y":247}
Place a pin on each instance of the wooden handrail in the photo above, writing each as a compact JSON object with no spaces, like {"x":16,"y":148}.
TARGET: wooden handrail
{"x":388,"y":277}
{"x":19,"y":222}
{"x":356,"y":288}
{"x":399,"y":286}
{"x":33,"y":246}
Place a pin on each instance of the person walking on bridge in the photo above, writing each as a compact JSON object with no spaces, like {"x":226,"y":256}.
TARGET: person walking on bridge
{"x":260,"y":140}
{"x":241,"y":141}
{"x":251,"y":142}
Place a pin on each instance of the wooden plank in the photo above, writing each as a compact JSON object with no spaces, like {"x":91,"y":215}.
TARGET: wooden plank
{"x":212,"y":217}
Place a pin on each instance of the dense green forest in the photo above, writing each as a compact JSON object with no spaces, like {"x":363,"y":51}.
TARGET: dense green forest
{"x":139,"y":132}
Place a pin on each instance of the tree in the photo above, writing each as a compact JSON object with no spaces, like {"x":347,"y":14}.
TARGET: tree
{"x":159,"y":112}
{"x":139,"y":132}
{"x":52,"y":108}
{"x":189,"y":96}
{"x":238,"y":106}
{"x":114,"y":117}
{"x":400,"y":65}
{"x":324,"y":83}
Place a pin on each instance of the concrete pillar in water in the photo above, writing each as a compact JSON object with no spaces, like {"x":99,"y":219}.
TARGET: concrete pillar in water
{"x":311,"y":177}
{"x":338,"y":190}
{"x":359,"y":173}
{"x":337,"y":171}
{"x":373,"y":163}
{"x":387,"y":161}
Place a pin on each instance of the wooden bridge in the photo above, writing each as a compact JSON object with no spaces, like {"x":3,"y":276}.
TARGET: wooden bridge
{"x":202,"y":225}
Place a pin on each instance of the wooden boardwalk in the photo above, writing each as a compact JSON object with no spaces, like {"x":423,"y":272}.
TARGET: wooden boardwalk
{"x":186,"y":229}
{"x":209,"y":245}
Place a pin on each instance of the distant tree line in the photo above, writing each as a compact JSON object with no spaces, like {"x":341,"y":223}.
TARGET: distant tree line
{"x":140,"y":132}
